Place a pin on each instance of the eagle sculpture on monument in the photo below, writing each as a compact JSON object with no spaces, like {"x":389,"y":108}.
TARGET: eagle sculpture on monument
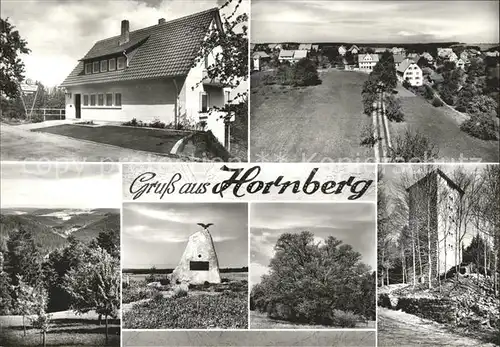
{"x":205,"y":226}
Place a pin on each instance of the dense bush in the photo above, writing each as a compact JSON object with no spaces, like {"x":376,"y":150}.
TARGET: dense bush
{"x":305,"y":73}
{"x":137,"y":291}
{"x":393,"y":109}
{"x":436,"y":102}
{"x":481,"y":126}
{"x":406,"y":84}
{"x":306,"y":281}
{"x":345,"y":319}
{"x":412,"y":147}
{"x":191,"y":312}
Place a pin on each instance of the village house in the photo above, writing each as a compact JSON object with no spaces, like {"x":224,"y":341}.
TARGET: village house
{"x":291,"y":56}
{"x":380,"y":50}
{"x":460,"y":63}
{"x":342,"y":50}
{"x":444,"y":52}
{"x":315,"y":48}
{"x":411,"y":72}
{"x":366,"y":62}
{"x":398,"y":50}
{"x":435,"y":78}
{"x":148,"y":74}
{"x":305,"y":46}
{"x":492,"y":54}
{"x":258,"y":58}
{"x":464,"y":56}
{"x":398,"y":58}
{"x":427,"y":56}
{"x":413,"y":56}
{"x":354,"y":49}
{"x":453,"y":57}
{"x":252,"y":47}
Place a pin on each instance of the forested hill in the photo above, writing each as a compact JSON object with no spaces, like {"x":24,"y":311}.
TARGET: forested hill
{"x":51,"y":227}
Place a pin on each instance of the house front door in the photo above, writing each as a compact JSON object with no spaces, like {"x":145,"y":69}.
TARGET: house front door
{"x":78,"y":106}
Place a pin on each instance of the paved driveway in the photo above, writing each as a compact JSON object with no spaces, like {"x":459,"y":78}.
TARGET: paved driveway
{"x":21,"y":145}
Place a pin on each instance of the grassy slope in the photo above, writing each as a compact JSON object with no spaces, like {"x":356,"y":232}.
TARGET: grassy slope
{"x":323,"y":122}
{"x":441,"y":127}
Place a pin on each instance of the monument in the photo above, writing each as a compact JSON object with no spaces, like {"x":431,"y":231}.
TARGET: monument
{"x":199,"y":263}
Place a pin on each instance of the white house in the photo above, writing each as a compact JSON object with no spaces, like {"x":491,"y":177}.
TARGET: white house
{"x":367,"y":61}
{"x":342,"y":50}
{"x":354,"y":49}
{"x":411,"y":72}
{"x":453,"y":57}
{"x":427,"y":56}
{"x":398,"y":50}
{"x":292,"y":56}
{"x":305,"y":46}
{"x":257,"y":58}
{"x":148,"y":74}
{"x":460,"y":63}
{"x":444,"y":52}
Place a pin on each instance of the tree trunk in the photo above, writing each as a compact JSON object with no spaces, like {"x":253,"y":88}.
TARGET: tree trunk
{"x":429,"y":249}
{"x":44,"y":336}
{"x":100,"y":319}
{"x":387,"y":274}
{"x":414,"y":262}
{"x":421,"y":272}
{"x":24,"y":327}
{"x":106,"y":320}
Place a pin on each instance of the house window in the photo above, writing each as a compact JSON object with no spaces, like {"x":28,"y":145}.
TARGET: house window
{"x":120,"y":63}
{"x":109,"y":99}
{"x":100,"y":99}
{"x":204,"y":102}
{"x":92,"y":100}
{"x":88,"y":68}
{"x":104,"y":65}
{"x":85,"y":100}
{"x":95,"y":68}
{"x":112,"y":64}
{"x":118,"y":99}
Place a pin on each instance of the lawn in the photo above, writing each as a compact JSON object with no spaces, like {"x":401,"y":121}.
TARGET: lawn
{"x":441,"y":126}
{"x":309,"y":124}
{"x":260,"y":320}
{"x":150,"y":140}
{"x":67,"y":329}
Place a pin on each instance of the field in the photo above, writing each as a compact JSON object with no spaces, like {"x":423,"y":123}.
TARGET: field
{"x":442,"y":126}
{"x":223,"y":305}
{"x":260,"y":320}
{"x":309,"y":124}
{"x":67,"y":329}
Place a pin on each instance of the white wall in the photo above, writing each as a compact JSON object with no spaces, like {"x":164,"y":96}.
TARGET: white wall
{"x":144,"y":100}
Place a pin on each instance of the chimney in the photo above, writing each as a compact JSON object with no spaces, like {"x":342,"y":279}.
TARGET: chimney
{"x":161,"y":20}
{"x":125,"y":34}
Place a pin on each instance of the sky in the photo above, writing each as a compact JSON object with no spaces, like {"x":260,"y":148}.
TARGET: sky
{"x":353,"y":224}
{"x":374,"y":21}
{"x":156,"y":234}
{"x":60,"y":185}
{"x":59,"y":32}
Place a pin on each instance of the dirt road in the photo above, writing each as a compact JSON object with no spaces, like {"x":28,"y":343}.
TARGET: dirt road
{"x":396,"y":328}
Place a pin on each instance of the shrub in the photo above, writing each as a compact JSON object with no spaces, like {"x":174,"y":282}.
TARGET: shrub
{"x":136,"y":292}
{"x":406,"y":84}
{"x":305,"y":73}
{"x":429,"y":92}
{"x":157,"y":124}
{"x":436,"y":102}
{"x":413,"y":147}
{"x":345,"y":319}
{"x":393,"y":109}
{"x":132,"y":123}
{"x":482,"y":126}
{"x":37,"y":118}
{"x":180,"y":292}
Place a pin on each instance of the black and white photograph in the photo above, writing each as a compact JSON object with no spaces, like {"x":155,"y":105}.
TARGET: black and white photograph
{"x":383,"y":81}
{"x":60,"y":255}
{"x":249,"y":338}
{"x":125,"y":80}
{"x":438,"y":241}
{"x":185,"y":266}
{"x":312,"y":266}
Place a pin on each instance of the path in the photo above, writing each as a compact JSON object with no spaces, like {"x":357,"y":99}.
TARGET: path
{"x":20,"y":145}
{"x":396,"y":328}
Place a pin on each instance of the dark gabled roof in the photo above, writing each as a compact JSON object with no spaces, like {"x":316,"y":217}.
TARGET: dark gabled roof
{"x":163,"y":50}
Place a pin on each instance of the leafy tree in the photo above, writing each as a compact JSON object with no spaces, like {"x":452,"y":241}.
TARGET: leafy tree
{"x":24,"y":258}
{"x":482,"y":104}
{"x":11,"y":66}
{"x":230,"y":66}
{"x":95,"y":285}
{"x":305,"y":73}
{"x":465,"y":96}
{"x":384,"y":72}
{"x":413,"y":147}
{"x":6,"y":302}
{"x":310,"y":282}
{"x":109,"y":240}
{"x":28,"y":299}
{"x":393,"y":109}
